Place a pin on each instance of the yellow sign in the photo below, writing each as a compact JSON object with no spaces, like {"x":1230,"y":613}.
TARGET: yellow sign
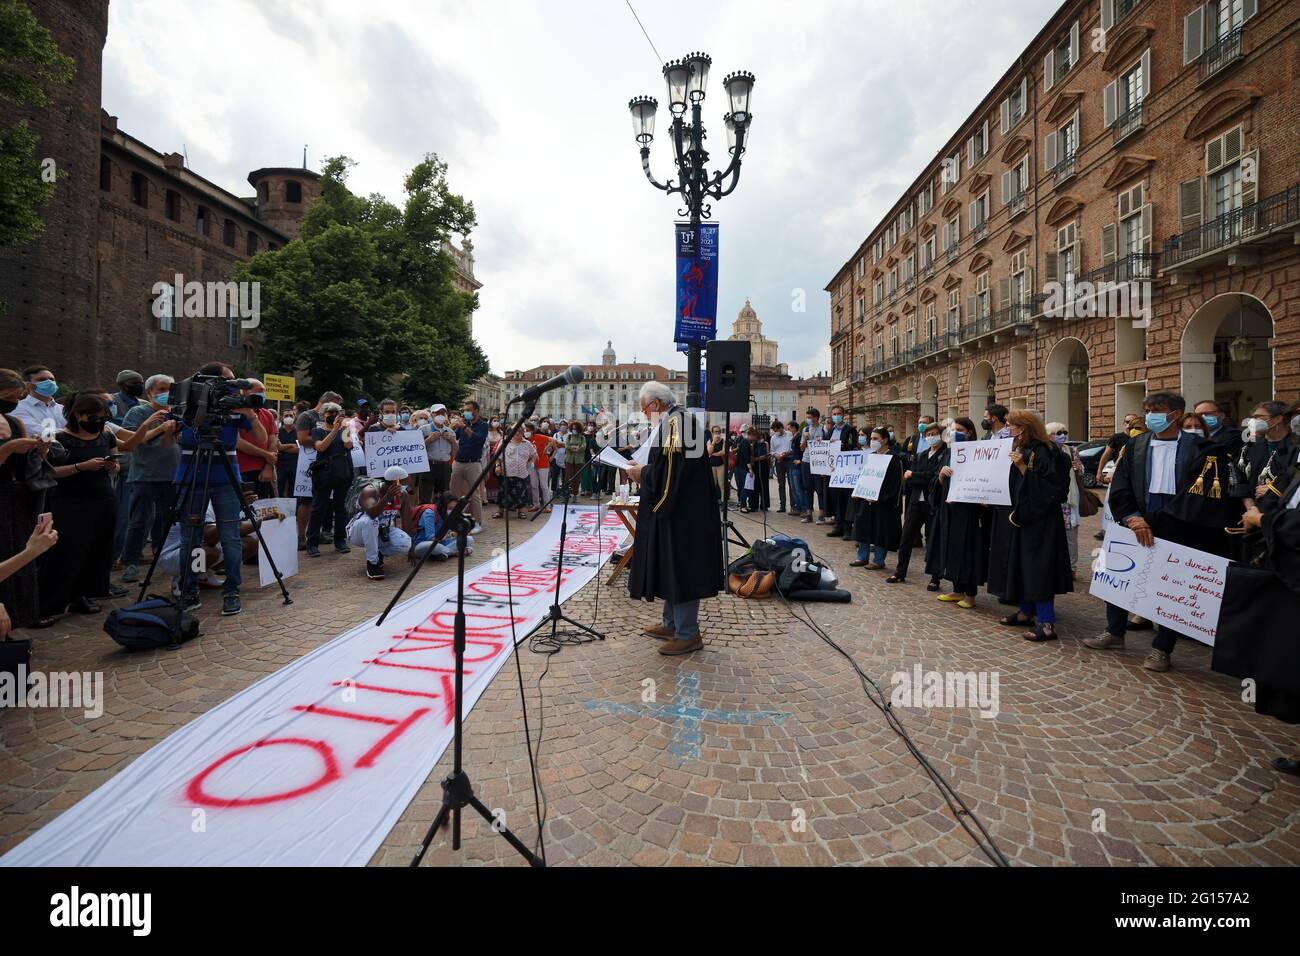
{"x":279,"y":388}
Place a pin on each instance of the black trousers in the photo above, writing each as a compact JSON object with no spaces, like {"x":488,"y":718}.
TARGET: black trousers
{"x":329,"y":497}
{"x":78,"y":566}
{"x":839,"y":507}
{"x":913,"y":525}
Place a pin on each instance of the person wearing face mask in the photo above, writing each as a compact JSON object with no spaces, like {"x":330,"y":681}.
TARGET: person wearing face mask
{"x":286,"y":464}
{"x":440,"y":440}
{"x":919,"y":476}
{"x":1059,"y":433}
{"x":814,"y":493}
{"x":471,"y":443}
{"x":798,"y":506}
{"x":40,"y":414}
{"x":678,"y":553}
{"x":995,"y":422}
{"x":839,"y":500}
{"x":1267,"y":462}
{"x":961,"y":536}
{"x":19,"y":505}
{"x":779,"y":446}
{"x":153,"y":467}
{"x":84,"y":507}
{"x":1151,"y":471}
{"x":257,"y":459}
{"x":1217,"y":419}
{"x":878,"y":525}
{"x":331,"y":478}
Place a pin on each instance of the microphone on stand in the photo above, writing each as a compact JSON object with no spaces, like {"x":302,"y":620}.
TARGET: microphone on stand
{"x":570,"y":376}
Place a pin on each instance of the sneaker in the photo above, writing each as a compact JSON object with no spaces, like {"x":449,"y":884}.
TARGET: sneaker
{"x":805,"y":520}
{"x":230,"y":605}
{"x":820,"y":521}
{"x":1157,"y":661}
{"x":1103,"y":642}
{"x":131,"y":574}
{"x":375,"y":572}
{"x":313,"y":551}
{"x":342,"y":548}
{"x":478,"y":528}
{"x":191,"y":603}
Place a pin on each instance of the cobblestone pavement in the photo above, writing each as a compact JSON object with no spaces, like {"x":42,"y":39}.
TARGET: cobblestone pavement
{"x":760,"y":750}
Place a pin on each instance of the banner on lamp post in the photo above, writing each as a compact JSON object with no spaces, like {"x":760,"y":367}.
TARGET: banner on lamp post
{"x":697,"y":283}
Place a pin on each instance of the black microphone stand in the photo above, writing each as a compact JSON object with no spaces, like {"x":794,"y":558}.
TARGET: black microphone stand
{"x":457,"y":790}
{"x":554,"y":615}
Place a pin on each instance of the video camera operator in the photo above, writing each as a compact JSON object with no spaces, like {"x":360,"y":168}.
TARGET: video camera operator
{"x":221,"y":494}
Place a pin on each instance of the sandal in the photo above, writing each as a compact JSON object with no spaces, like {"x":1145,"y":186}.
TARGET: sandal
{"x":1042,"y":632}
{"x":1016,"y":620}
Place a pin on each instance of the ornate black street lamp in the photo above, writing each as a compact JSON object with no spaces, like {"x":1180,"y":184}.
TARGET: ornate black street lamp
{"x":687,"y":80}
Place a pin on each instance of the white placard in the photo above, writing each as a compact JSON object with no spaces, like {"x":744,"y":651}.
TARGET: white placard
{"x":403,"y":448}
{"x":1169,"y":584}
{"x":821,"y":457}
{"x":358,"y":460}
{"x":301,"y":475}
{"x":981,"y":472}
{"x":872,"y":477}
{"x":281,"y":536}
{"x":848,"y":466}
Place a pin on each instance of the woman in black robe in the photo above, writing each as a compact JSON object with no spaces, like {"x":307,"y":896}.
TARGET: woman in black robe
{"x":1037,"y":556}
{"x":1256,"y":634}
{"x":918,"y":486}
{"x":961,"y":535}
{"x":878,"y":525}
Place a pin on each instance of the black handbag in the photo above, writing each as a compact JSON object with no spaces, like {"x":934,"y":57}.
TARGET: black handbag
{"x":39,"y":474}
{"x":13,"y":655}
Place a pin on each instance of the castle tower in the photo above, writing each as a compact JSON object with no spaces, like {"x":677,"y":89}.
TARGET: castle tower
{"x":283,"y":195}
{"x":49,"y":283}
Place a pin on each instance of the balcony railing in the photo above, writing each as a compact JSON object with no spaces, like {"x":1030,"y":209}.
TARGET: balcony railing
{"x":951,"y":253}
{"x":1011,"y":316}
{"x":1064,"y":169}
{"x":1127,"y":123}
{"x":1232,"y":228}
{"x":980,"y":325}
{"x":908,"y":285}
{"x":1133,"y":267}
{"x":1016,"y":206}
{"x":980,"y":232}
{"x":1221,"y":55}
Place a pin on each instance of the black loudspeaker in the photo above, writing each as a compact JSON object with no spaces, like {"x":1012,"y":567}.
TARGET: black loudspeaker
{"x":726,"y":376}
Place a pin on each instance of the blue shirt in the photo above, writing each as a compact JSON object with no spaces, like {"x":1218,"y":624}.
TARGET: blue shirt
{"x":427,"y":526}
{"x":230,"y":430}
{"x":471,"y":440}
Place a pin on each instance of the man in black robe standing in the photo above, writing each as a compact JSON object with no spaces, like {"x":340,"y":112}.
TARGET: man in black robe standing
{"x":677,"y":556}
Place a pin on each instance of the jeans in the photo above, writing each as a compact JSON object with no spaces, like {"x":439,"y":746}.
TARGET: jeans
{"x":797,"y":500}
{"x":226,"y":507}
{"x":149,"y":503}
{"x":124,"y":490}
{"x":875,"y":555}
{"x":683,"y":618}
{"x":1045,"y":611}
{"x":1117,"y":626}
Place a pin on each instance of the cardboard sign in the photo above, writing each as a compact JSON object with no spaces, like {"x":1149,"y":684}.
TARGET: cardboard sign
{"x":821,"y":457}
{"x":279,"y":388}
{"x":1171,"y":585}
{"x":301,"y":476}
{"x":981,"y":472}
{"x":359,"y":460}
{"x":848,"y":466}
{"x":872,"y":477}
{"x":404,"y":448}
{"x":281,"y":536}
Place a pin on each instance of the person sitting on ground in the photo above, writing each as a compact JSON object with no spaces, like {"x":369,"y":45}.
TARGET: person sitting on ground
{"x":429,"y":520}
{"x":377,"y":525}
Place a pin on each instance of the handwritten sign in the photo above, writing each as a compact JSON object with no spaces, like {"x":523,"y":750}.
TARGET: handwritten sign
{"x":981,"y":472}
{"x":301,"y":475}
{"x":359,"y":460}
{"x":821,"y":457}
{"x":1171,"y":585}
{"x":403,"y":448}
{"x":872,"y":477}
{"x":848,"y":466}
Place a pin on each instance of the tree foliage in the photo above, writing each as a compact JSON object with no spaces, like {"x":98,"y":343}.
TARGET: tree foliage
{"x":29,"y":62}
{"x":364,"y":301}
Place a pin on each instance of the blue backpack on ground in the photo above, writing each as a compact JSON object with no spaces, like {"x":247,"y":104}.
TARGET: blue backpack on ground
{"x":154,"y":623}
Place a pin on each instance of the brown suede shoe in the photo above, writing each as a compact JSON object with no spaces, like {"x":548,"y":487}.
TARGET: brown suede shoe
{"x":660,"y":632}
{"x":677,"y":648}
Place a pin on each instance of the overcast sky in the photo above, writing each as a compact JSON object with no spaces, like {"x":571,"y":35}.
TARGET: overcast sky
{"x":527,"y":101}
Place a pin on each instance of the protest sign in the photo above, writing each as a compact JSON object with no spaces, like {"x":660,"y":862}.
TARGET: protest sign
{"x":848,"y":466}
{"x":872,"y":477}
{"x":1169,"y":584}
{"x":301,"y":475}
{"x":404,"y":448}
{"x":359,"y":460}
{"x":821,"y":457}
{"x":280,"y":532}
{"x":981,"y":472}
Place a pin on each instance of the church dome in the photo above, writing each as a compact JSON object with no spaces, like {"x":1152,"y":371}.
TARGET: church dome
{"x":607,"y":357}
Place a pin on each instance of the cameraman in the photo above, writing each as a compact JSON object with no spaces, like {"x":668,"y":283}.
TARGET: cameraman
{"x":222,"y":495}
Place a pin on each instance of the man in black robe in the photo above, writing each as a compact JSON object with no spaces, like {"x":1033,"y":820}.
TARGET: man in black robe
{"x":677,"y":556}
{"x":1256,"y":633}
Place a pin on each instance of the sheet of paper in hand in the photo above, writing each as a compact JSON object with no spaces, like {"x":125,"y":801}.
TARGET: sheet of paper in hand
{"x":821,"y":457}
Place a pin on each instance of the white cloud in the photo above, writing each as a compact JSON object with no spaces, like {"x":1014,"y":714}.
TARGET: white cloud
{"x":527,"y":102}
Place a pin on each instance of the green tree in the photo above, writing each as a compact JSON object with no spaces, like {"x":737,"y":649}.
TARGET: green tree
{"x":29,"y":61}
{"x":364,"y":301}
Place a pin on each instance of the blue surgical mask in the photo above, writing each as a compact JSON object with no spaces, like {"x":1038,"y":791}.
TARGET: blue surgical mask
{"x":1061,"y":439}
{"x":1211,"y":421}
{"x":862,"y":440}
{"x":46,"y":389}
{"x":162,"y":398}
{"x":1157,"y":422}
{"x":838,"y":419}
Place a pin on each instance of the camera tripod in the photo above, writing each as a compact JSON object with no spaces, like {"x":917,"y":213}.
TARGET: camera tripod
{"x":208,"y":451}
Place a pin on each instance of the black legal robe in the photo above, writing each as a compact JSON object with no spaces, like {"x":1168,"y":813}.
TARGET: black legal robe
{"x":1037,"y":558}
{"x":880,"y":522}
{"x":678,"y":550}
{"x":1257,"y":634}
{"x":960,"y":538}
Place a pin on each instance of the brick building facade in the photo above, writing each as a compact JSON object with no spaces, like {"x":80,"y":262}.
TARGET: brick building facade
{"x":1133,"y":141}
{"x":123,"y":218}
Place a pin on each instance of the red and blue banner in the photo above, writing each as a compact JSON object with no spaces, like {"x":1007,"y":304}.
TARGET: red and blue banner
{"x":697,"y":283}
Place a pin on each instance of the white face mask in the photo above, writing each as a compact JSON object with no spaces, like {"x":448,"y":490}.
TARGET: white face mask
{"x":440,"y":420}
{"x":390,"y":419}
{"x":875,"y":444}
{"x":1194,"y":431}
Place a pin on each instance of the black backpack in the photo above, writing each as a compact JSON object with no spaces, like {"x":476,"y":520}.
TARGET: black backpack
{"x":156,"y":622}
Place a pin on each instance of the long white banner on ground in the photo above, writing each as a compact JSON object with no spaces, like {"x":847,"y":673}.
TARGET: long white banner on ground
{"x":314,"y":764}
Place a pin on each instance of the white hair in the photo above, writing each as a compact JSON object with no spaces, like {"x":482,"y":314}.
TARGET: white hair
{"x":159,"y":379}
{"x":331,"y":407}
{"x":657,"y":392}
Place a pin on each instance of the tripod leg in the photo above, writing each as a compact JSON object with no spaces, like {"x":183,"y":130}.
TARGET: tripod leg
{"x":513,"y":840}
{"x":247,"y":509}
